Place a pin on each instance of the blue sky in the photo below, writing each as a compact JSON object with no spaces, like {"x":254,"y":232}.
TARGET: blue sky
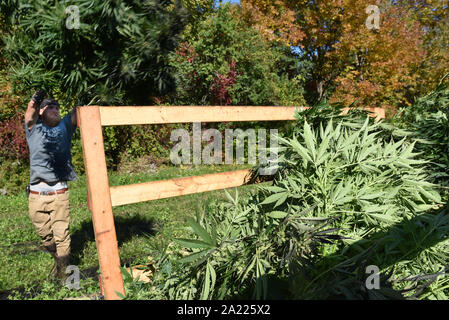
{"x":232,"y":1}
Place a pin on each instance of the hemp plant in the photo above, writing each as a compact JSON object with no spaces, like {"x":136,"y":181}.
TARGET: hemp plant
{"x":343,"y":186}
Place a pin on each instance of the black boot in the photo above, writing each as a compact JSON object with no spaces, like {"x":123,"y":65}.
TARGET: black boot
{"x":51,"y":249}
{"x":61,"y":266}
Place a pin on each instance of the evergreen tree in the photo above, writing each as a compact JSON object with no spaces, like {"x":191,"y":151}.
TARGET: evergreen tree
{"x":117,"y":54}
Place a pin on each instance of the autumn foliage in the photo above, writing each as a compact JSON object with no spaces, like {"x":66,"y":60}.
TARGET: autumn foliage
{"x":12,"y":133}
{"x":274,"y":20}
{"x":226,"y":62}
{"x":12,"y":138}
{"x":222,"y":84}
{"x":261,"y":52}
{"x":374,"y":67}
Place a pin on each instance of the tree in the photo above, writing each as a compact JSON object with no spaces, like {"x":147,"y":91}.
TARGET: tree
{"x":118,"y":53}
{"x":376,"y":67}
{"x":433,"y":16}
{"x":227,"y":63}
{"x":274,"y":20}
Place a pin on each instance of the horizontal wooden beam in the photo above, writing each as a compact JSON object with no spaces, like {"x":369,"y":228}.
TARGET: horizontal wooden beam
{"x":154,"y":190}
{"x":378,"y":113}
{"x":126,"y":115}
{"x":134,"y":115}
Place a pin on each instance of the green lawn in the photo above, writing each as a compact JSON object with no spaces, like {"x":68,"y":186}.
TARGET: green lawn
{"x":140,"y":227}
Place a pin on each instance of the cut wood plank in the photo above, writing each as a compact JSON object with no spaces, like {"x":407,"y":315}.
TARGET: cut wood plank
{"x":154,"y":190}
{"x":378,"y":113}
{"x":100,"y":201}
{"x":130,"y":115}
{"x":126,"y":115}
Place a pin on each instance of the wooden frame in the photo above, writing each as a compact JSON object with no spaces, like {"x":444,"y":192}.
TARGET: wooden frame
{"x":101,"y":197}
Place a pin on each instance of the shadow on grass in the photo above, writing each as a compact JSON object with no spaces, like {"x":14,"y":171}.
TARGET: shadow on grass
{"x":126,"y":227}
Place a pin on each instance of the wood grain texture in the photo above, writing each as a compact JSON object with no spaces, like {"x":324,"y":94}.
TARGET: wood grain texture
{"x":100,"y":201}
{"x":129,"y":115}
{"x":111,"y":116}
{"x":154,"y":190}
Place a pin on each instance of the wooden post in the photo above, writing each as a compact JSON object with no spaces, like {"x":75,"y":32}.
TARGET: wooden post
{"x":100,"y":201}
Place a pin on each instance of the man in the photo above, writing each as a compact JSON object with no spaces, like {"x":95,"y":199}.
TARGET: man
{"x":49,"y":140}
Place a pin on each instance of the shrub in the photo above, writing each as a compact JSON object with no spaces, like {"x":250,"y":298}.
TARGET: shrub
{"x":14,"y":175}
{"x":228,"y":63}
{"x":119,"y":55}
{"x":427,"y":122}
{"x":13,"y":143}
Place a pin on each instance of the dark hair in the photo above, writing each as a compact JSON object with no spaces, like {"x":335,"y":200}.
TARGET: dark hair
{"x":47,"y":102}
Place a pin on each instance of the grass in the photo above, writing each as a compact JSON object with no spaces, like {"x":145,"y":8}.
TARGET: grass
{"x":140,"y":227}
{"x":145,"y":227}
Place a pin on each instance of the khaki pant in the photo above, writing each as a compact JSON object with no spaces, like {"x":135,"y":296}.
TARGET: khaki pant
{"x":51,"y":217}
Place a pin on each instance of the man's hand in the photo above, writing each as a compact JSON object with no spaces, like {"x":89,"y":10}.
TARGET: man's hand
{"x":38,"y":97}
{"x":32,"y":112}
{"x":31,"y":104}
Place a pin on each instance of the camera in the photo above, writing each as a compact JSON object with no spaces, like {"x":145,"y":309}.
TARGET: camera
{"x":38,"y":97}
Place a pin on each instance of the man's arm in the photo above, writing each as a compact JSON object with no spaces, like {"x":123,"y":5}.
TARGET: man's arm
{"x":31,"y":114}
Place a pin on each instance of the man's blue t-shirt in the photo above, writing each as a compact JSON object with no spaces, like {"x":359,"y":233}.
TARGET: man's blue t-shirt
{"x":50,"y":158}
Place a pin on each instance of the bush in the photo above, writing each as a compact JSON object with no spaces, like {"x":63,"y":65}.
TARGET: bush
{"x":119,"y":55}
{"x":228,"y":63}
{"x":427,"y":122}
{"x":133,"y":142}
{"x":14,"y":176}
{"x":13,"y":143}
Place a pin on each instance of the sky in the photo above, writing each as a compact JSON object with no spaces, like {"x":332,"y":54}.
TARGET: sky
{"x":232,"y":1}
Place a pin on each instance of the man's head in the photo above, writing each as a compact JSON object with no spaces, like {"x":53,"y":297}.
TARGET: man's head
{"x":49,"y":111}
